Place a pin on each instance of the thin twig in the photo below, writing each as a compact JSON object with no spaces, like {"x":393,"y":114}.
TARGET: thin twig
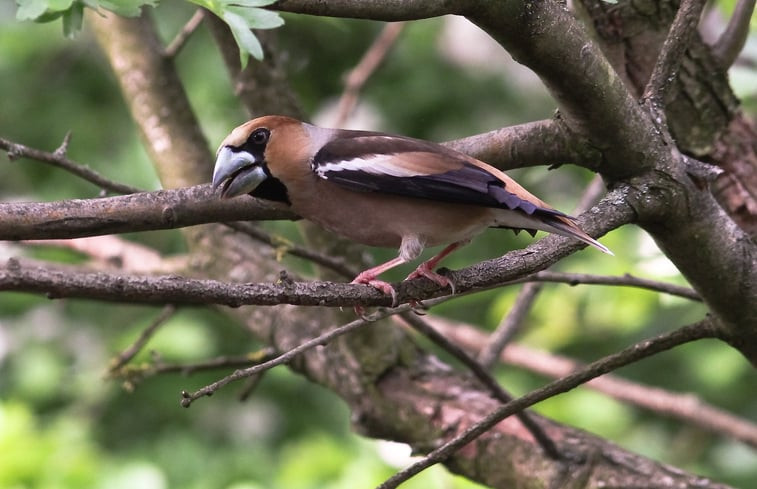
{"x":686,"y":407}
{"x":187,"y":398}
{"x":703,"y":329}
{"x":125,"y":356}
{"x":481,"y":373}
{"x":59,"y":159}
{"x":510,"y":324}
{"x":254,"y":358}
{"x":184,"y":34}
{"x":359,"y":75}
{"x":730,"y":43}
{"x":63,"y":148}
{"x":250,"y":385}
{"x":282,"y":245}
{"x":626,"y":280}
{"x":133,"y":374}
{"x":590,"y":195}
{"x":669,"y":60}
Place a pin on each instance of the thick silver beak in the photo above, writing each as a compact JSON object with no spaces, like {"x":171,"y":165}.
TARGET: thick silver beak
{"x":240,"y":171}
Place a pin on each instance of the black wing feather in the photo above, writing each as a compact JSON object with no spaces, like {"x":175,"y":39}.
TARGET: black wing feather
{"x":465,"y":184}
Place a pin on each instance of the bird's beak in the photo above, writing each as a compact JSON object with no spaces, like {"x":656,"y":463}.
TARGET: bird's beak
{"x":241,"y":171}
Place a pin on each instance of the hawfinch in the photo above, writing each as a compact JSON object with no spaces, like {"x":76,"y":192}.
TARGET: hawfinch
{"x":381,"y":190}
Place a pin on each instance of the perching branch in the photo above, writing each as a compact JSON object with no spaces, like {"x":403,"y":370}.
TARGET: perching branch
{"x":607,"y":215}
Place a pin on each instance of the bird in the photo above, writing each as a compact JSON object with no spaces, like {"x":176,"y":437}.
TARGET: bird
{"x":381,"y":190}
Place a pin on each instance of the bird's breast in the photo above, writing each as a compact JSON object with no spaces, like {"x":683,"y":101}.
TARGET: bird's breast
{"x":377,"y":219}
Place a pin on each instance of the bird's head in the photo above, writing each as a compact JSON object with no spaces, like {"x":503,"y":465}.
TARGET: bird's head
{"x":242,"y":160}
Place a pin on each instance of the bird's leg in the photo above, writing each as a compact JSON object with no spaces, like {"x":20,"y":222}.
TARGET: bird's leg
{"x":426,"y":269}
{"x":368,"y":277}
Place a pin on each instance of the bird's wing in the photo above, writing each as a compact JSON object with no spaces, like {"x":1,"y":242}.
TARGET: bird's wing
{"x":414,"y":168}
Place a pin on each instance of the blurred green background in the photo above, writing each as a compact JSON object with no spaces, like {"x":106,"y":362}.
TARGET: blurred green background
{"x":63,"y":425}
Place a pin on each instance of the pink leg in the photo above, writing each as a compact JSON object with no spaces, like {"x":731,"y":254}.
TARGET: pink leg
{"x":426,"y":269}
{"x":368,"y":277}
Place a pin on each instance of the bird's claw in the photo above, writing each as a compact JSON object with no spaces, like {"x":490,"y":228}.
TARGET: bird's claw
{"x":441,"y":280}
{"x":384,"y":287}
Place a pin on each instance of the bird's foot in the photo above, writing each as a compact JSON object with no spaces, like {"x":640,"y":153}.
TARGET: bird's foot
{"x":380,"y":285}
{"x":424,"y":270}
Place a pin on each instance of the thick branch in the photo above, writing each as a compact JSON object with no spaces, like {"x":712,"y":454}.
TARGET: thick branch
{"x":547,"y":142}
{"x":388,"y":11}
{"x":669,"y":61}
{"x":733,"y":39}
{"x":163,"y":209}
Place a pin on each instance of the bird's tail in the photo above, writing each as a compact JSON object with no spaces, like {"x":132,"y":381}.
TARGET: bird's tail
{"x":564,"y":225}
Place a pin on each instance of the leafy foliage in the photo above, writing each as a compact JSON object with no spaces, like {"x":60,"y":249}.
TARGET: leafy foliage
{"x":240,"y":15}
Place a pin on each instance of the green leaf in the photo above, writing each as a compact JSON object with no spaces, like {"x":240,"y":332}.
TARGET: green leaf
{"x":213,"y":5}
{"x":258,"y":18}
{"x":30,"y":9}
{"x":72,"y":19}
{"x":248,"y":43}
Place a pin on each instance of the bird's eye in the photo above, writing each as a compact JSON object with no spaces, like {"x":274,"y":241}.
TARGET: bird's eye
{"x":260,"y":136}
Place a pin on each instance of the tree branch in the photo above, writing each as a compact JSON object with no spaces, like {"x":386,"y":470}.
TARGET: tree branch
{"x":510,"y":324}
{"x":187,"y":398}
{"x":547,"y":142}
{"x":685,"y":407}
{"x":703,"y":329}
{"x":387,"y":11}
{"x":163,"y":209}
{"x":178,"y":42}
{"x":620,"y":281}
{"x":732,"y":40}
{"x":125,"y":356}
{"x":282,"y":246}
{"x":669,"y":60}
{"x":607,"y":215}
{"x":480,"y":371}
{"x":369,"y":63}
{"x":58,"y":159}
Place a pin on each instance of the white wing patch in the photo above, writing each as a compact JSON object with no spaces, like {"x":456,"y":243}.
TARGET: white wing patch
{"x":375,"y":165}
